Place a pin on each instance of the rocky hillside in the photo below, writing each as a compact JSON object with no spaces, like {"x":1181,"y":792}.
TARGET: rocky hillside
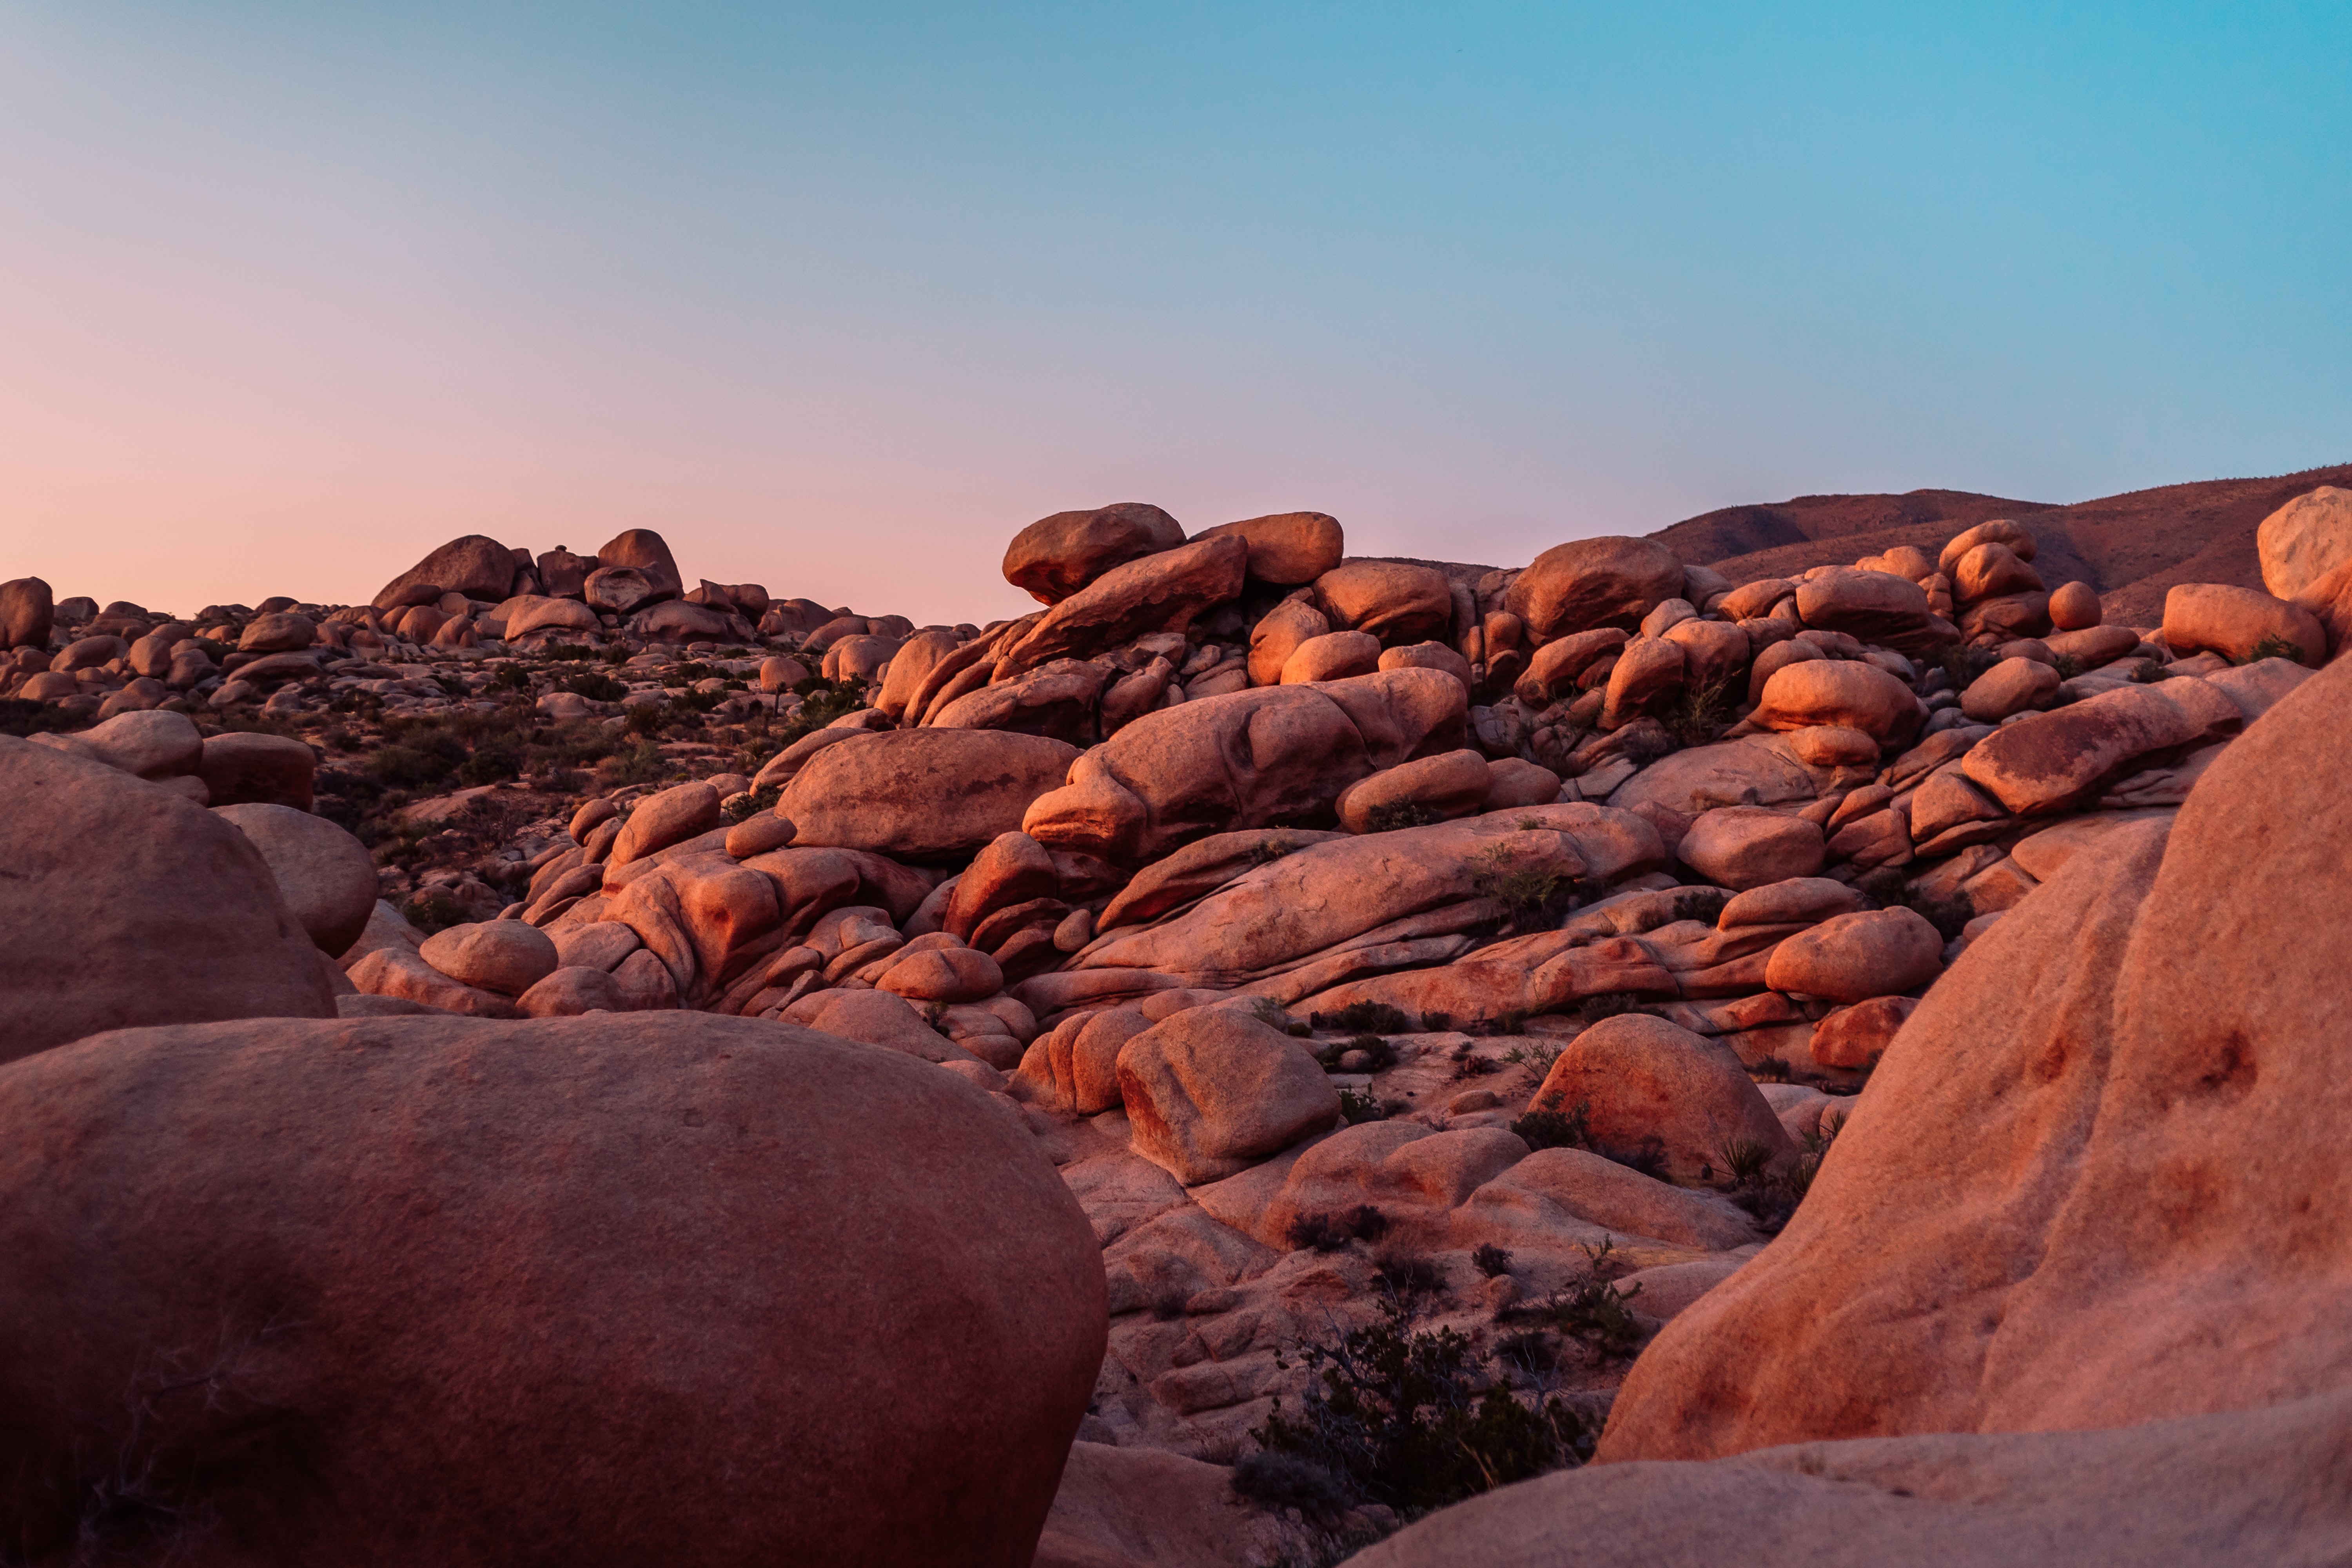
{"x":1235,"y":1062}
{"x":2132,"y":548}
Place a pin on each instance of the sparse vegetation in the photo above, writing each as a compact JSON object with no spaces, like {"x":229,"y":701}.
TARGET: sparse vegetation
{"x":1356,"y":1108}
{"x":1411,"y":1419}
{"x":1608,"y":1005}
{"x":1700,"y":711}
{"x":2273,"y":646}
{"x":1364,"y":1018}
{"x":1391,"y":816}
{"x":2148,"y":671}
{"x":1491,"y":1260}
{"x":1546,"y":1126}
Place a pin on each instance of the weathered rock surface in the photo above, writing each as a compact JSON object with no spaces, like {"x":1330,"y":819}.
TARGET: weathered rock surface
{"x":325,"y":876}
{"x":2119,"y":1133}
{"x":431,"y":1289}
{"x":2305,"y":539}
{"x":1286,"y":548}
{"x":2264,"y":1486}
{"x":1055,"y":556}
{"x":125,"y":904}
{"x":475,"y":566}
{"x":1257,"y":758}
{"x":1156,"y":593}
{"x":1210,"y":1091}
{"x":921,"y":794}
{"x":1590,"y":583}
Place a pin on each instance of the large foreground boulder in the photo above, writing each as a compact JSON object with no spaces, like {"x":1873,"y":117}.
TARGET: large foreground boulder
{"x":590,"y":1290}
{"x":922,"y":794}
{"x":2098,"y":1177}
{"x":2259,"y":1487}
{"x":122,"y":903}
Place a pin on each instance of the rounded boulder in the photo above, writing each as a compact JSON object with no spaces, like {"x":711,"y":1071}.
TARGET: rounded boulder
{"x":507,"y":957}
{"x":1590,"y":583}
{"x":673,"y":816}
{"x":1646,"y":1083}
{"x":420,"y":1289}
{"x":1210,"y":1091}
{"x":2235,"y":621}
{"x":1853,"y":958}
{"x":1055,"y":556}
{"x":125,"y":904}
{"x":1745,"y":847}
{"x":947,"y":974}
{"x":1846,"y":692}
{"x":2074,"y":607}
{"x":1452,"y":783}
{"x":2012,"y":686}
{"x":1390,"y":600}
{"x":1287,"y":548}
{"x":926,"y":793}
{"x":326,"y":876}
{"x":2305,"y":539}
{"x":1334,"y":656}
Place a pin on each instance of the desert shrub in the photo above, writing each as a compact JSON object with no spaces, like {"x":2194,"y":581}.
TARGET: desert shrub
{"x":1600,"y":1316}
{"x":1700,"y":711}
{"x":421,"y":761}
{"x":1358,"y":1108}
{"x":2067,"y":666}
{"x":490,"y":764}
{"x":1546,"y":1126}
{"x":1744,"y":1159}
{"x":1701,"y":904}
{"x":2148,"y":671}
{"x":21,"y":717}
{"x":1267,"y":1011}
{"x":1363,"y":1017}
{"x":821,"y":701}
{"x":432,"y":911}
{"x":1266,"y":851}
{"x":596,"y":686}
{"x":1771,"y":1069}
{"x":1391,"y":816}
{"x":754,"y":801}
{"x":1535,"y":1055}
{"x":1409,"y":1278}
{"x":510,"y":677}
{"x":1279,"y":1480}
{"x":1530,"y":896}
{"x":640,"y":763}
{"x":1491,"y":1260}
{"x":1365,"y":1223}
{"x":566,"y":652}
{"x":1436,"y":1023}
{"x":1510,"y":1021}
{"x":1963,"y":665}
{"x":2273,"y":646}
{"x":1410,"y":1419}
{"x":1608,"y":1005}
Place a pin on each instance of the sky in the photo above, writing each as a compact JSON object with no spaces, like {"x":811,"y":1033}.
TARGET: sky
{"x":839,"y":297}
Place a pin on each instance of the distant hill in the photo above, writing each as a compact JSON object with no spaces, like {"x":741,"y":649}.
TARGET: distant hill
{"x":2130,"y":547}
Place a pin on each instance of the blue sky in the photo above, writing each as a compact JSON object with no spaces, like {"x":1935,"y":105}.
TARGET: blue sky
{"x":840,"y":297}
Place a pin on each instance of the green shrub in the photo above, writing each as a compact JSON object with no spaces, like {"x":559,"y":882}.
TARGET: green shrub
{"x":754,"y":801}
{"x":1358,"y":1108}
{"x":1546,"y":1126}
{"x":1597,"y":1313}
{"x":433,"y":912}
{"x":1700,"y":711}
{"x":2273,"y":646}
{"x":645,"y":717}
{"x":1410,"y":1419}
{"x":1363,"y":1017}
{"x":491,"y":763}
{"x":1436,"y":1023}
{"x":1391,"y":816}
{"x":1608,"y":1005}
{"x":639,"y":763}
{"x":596,"y":686}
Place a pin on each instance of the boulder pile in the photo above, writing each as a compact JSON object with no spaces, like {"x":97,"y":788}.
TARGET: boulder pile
{"x":1372,"y":947}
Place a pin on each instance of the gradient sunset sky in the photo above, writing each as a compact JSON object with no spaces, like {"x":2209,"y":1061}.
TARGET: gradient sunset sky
{"x":839,"y":297}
